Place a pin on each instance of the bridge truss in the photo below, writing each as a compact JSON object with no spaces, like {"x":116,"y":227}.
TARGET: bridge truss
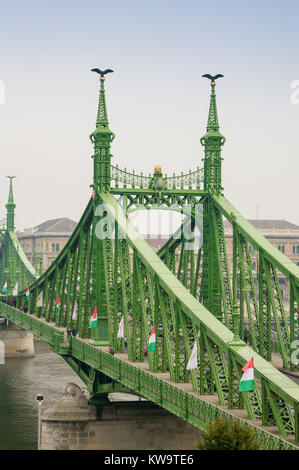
{"x":187,"y":290}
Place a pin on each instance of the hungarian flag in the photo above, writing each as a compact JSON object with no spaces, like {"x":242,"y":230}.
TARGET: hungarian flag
{"x":246,"y":383}
{"x":93,"y":321}
{"x":4,"y":289}
{"x":78,"y":278}
{"x":192,"y":363}
{"x":152,"y":340}
{"x":121,"y":329}
{"x":15,"y":290}
{"x":93,"y":195}
{"x":27,"y":293}
{"x":57,"y":305}
{"x":39,"y":300}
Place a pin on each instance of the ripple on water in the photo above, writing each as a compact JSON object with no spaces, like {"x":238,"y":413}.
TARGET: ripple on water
{"x":20,"y":381}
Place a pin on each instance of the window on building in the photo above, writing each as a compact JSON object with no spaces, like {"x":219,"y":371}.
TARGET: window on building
{"x":53,"y":247}
{"x":57,"y":247}
{"x":295,"y":249}
{"x":281,"y":248}
{"x":254,"y":265}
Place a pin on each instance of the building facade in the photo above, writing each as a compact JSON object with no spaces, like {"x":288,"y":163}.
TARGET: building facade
{"x":43,"y":243}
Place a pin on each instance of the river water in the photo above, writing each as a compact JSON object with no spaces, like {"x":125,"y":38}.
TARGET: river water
{"x":21,"y":380}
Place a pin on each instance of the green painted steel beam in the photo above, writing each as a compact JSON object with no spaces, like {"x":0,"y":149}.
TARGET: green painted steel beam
{"x":256,"y":239}
{"x":220,"y":334}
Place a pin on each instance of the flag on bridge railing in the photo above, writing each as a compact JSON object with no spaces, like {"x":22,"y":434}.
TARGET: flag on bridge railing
{"x":39,"y":300}
{"x":93,"y":322}
{"x":57,"y":305}
{"x":27,"y":293}
{"x":192,"y":363}
{"x":75,"y":312}
{"x":121,"y":329}
{"x":246,"y":383}
{"x":15,"y":290}
{"x":4,"y":289}
{"x":78,"y":278}
{"x":152,"y":340}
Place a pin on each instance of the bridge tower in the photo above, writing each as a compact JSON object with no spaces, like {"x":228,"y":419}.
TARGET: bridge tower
{"x":101,"y":138}
{"x":10,"y":206}
{"x":212,"y":142}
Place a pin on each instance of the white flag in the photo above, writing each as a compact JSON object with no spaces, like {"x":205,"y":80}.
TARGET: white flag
{"x":121,"y":329}
{"x":192,"y":363}
{"x":75,"y":312}
{"x":39,"y":300}
{"x":15,"y":290}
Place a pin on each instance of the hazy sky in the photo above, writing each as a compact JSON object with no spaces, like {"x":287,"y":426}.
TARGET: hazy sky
{"x":157,"y":100}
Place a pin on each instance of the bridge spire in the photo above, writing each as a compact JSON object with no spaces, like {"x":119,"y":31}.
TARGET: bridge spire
{"x":10,"y":206}
{"x":102,"y":137}
{"x":212,"y":141}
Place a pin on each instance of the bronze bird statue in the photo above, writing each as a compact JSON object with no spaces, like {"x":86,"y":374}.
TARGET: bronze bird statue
{"x":102,"y":72}
{"x":213,"y":77}
{"x":10,"y":177}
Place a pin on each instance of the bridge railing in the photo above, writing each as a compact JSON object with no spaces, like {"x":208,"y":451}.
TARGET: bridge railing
{"x":124,"y":179}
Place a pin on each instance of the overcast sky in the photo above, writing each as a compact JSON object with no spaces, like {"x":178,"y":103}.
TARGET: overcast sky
{"x":157,"y":100}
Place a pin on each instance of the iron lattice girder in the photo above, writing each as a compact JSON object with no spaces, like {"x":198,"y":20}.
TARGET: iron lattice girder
{"x":169,"y":293}
{"x":193,"y":309}
{"x":14,"y":265}
{"x":190,"y":407}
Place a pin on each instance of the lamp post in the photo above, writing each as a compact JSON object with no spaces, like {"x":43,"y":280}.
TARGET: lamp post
{"x":39,"y":398}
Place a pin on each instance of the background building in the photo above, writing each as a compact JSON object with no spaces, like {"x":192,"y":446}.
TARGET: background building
{"x":43,"y":243}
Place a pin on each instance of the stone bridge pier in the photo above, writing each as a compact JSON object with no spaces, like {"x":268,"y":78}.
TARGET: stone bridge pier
{"x":17,"y":342}
{"x":73,"y":424}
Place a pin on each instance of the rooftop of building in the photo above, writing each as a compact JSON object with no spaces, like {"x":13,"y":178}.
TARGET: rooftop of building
{"x":269,"y":224}
{"x":269,"y":227}
{"x":62,"y":225}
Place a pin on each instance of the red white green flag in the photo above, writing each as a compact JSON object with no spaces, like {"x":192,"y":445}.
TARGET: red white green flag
{"x":78,"y":278}
{"x":93,"y":321}
{"x":246,"y":383}
{"x":152,"y":340}
{"x":39,"y":300}
{"x":75,"y":312}
{"x":57,"y":305}
{"x":15,"y":290}
{"x":192,"y":363}
{"x":121,"y":329}
{"x":27,"y":293}
{"x":4,"y":289}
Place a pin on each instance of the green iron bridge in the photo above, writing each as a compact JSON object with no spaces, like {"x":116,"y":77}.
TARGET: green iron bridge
{"x":190,"y":293}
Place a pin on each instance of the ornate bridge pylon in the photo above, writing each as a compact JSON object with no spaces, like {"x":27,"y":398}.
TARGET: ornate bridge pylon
{"x":189,"y":293}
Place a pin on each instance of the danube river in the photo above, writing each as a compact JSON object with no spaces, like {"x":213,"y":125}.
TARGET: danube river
{"x":20,"y":381}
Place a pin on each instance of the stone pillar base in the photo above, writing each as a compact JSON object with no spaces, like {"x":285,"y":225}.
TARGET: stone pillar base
{"x":17,"y":342}
{"x":134,"y":425}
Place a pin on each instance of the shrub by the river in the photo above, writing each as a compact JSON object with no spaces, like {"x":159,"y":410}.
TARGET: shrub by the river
{"x":228,"y":435}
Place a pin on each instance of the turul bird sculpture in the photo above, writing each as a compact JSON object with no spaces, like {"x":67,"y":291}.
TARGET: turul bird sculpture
{"x":10,"y":177}
{"x":213,"y":78}
{"x":102,"y":72}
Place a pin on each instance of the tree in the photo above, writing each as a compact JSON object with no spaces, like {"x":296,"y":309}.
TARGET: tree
{"x":224,"y":434}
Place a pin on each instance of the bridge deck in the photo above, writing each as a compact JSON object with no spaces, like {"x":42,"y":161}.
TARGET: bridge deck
{"x":118,"y":367}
